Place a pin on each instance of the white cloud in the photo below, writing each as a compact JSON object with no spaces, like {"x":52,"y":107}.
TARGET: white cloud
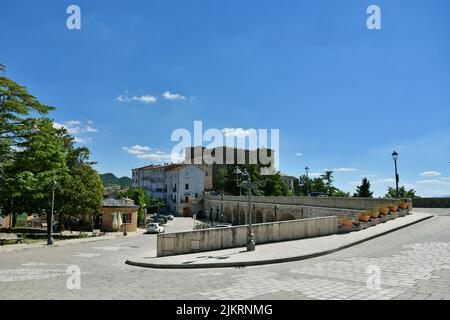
{"x":238,"y":132}
{"x":434,"y":181}
{"x":136,"y":149}
{"x":342,"y":170}
{"x":82,"y":140}
{"x":88,"y":128}
{"x":161,"y":157}
{"x":299,"y":154}
{"x":430,"y":174}
{"x":75,"y":128}
{"x":354,"y":183}
{"x":142,"y":152}
{"x":122,"y":98}
{"x":144,"y":99}
{"x":173,"y":96}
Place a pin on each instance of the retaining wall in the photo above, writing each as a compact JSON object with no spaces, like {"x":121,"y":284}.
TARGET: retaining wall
{"x":223,"y":238}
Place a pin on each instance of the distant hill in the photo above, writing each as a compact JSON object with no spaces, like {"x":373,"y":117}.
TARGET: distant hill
{"x":109,"y":180}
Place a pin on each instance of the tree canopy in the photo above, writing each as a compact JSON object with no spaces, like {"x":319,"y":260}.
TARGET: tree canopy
{"x":363,"y":190}
{"x":34,"y":155}
{"x":226,"y":181}
{"x":403,"y":193}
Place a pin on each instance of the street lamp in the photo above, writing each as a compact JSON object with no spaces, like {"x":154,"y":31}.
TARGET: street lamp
{"x":50,"y":240}
{"x":248,"y":184}
{"x":238,"y":172}
{"x":307,"y":180}
{"x":397,"y":179}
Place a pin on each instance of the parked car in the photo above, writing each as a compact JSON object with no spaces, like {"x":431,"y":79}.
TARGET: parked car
{"x":155,"y":228}
{"x":318,"y":195}
{"x":222,"y":225}
{"x":169,"y":217}
{"x":159,"y":219}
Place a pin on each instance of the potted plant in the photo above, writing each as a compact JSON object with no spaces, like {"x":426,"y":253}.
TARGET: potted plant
{"x":383,"y":211}
{"x":403,"y":205}
{"x":364,"y":217}
{"x":393,"y":208}
{"x":374,"y":214}
{"x":347,"y":222}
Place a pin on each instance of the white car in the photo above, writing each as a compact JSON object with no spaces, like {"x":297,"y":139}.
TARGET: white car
{"x":155,"y":228}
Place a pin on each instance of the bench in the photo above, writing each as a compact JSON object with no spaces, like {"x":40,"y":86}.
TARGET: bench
{"x":10,"y":237}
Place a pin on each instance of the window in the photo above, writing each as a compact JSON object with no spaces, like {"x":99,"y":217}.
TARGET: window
{"x":186,"y":199}
{"x":126,"y":218}
{"x":186,"y":186}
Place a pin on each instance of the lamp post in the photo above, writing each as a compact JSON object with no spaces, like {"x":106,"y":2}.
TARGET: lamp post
{"x":307,"y":180}
{"x":50,"y":240}
{"x":397,"y":178}
{"x":238,"y":172}
{"x":247,"y":184}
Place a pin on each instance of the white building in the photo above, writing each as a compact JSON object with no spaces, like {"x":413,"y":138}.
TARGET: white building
{"x":185,"y":186}
{"x":151,"y":179}
{"x":180,"y":185}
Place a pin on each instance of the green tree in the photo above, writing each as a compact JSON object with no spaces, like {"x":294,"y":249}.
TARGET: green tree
{"x":140,"y":198}
{"x":340,"y":194}
{"x":403,"y":193}
{"x":363,"y":190}
{"x":6,"y":154}
{"x":29,"y":178}
{"x":220,"y":180}
{"x":274,"y":185}
{"x":41,"y":155}
{"x":154,"y":205}
{"x":16,"y":108}
{"x":328,"y":179}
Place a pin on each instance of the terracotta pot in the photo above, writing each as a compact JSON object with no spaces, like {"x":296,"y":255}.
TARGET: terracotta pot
{"x":394,"y":208}
{"x":363,"y":218}
{"x":383,"y":211}
{"x":347,"y":223}
{"x":375,"y":215}
{"x":404,"y":206}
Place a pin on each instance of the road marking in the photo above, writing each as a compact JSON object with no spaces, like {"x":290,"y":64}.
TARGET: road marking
{"x":11,"y":275}
{"x":86,"y":255}
{"x":111,"y":248}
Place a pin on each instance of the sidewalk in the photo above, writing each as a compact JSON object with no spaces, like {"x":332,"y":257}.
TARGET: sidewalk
{"x":275,"y":252}
{"x":43,"y":244}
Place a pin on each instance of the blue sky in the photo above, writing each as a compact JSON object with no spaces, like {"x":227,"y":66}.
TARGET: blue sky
{"x":342,"y":96}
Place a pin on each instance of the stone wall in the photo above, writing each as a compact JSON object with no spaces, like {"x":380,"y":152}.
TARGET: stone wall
{"x":223,"y":238}
{"x":431,"y":202}
{"x":269,"y":209}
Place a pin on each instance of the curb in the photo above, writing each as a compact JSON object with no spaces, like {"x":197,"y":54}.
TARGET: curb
{"x":270,"y":261}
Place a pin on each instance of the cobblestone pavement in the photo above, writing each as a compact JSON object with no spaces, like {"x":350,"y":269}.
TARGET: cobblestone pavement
{"x":413,"y":263}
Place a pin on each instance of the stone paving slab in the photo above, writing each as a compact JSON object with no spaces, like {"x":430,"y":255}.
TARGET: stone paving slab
{"x":43,"y":244}
{"x":275,"y":252}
